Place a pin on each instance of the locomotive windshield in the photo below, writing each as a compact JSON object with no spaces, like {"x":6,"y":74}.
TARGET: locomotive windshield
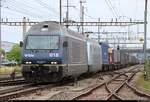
{"x":42,"y":42}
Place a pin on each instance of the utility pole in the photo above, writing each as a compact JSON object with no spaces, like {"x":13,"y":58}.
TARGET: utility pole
{"x":60,"y":4}
{"x":67,"y":14}
{"x":82,"y":15}
{"x":138,"y":36}
{"x":82,"y":19}
{"x":145,"y":42}
{"x":80,"y":10}
{"x":98,"y":31}
{"x":0,"y":34}
{"x":128,"y":35}
{"x":24,"y":27}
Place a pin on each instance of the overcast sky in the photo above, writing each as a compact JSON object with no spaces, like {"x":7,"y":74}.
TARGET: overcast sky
{"x":41,"y":10}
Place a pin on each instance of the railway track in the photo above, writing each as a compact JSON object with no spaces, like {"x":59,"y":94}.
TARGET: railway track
{"x":115,"y":89}
{"x":9,"y":79}
{"x":25,"y":89}
{"x":13,"y":82}
{"x":110,"y":90}
{"x":21,"y":90}
{"x":121,"y":78}
{"x":76,"y":95}
{"x":13,"y":89}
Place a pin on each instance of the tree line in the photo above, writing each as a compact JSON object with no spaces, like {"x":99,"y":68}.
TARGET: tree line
{"x":14,"y":54}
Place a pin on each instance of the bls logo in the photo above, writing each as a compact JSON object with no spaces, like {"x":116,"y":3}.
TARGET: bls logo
{"x":29,"y":55}
{"x":53,"y":54}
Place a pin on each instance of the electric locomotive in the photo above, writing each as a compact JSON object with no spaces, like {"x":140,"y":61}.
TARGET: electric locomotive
{"x":51,"y":52}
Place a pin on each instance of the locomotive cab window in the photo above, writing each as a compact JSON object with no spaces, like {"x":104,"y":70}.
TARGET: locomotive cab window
{"x":42,"y":42}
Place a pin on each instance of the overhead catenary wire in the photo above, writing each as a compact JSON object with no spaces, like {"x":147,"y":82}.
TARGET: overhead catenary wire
{"x":12,"y":6}
{"x":25,"y":12}
{"x":116,"y":12}
{"x":21,"y":5}
{"x":86,"y":14}
{"x":22,"y":12}
{"x":47,"y":6}
{"x":15,"y":6}
{"x":90,"y":16}
{"x":26,"y":5}
{"x":111,"y":9}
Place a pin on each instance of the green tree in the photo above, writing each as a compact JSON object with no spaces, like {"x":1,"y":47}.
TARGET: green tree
{"x":15,"y":53}
{"x":2,"y":51}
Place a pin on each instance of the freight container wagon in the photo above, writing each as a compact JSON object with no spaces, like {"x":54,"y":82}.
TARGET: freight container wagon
{"x":116,"y":56}
{"x":131,"y":60}
{"x":112,"y":65}
{"x":127,"y":59}
{"x":105,"y":56}
{"x":123,"y":58}
{"x":111,"y":56}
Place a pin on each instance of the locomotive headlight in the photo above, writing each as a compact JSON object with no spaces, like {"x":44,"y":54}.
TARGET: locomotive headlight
{"x":28,"y":62}
{"x":53,"y":62}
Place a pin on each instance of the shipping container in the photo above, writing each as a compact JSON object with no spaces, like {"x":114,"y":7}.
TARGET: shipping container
{"x":123,"y":57}
{"x":130,"y":59}
{"x":105,"y":55}
{"x":117,"y":56}
{"x":111,"y":55}
{"x":127,"y":58}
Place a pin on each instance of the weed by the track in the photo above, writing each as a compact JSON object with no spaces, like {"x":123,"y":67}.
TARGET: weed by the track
{"x":142,"y":83}
{"x":8,"y":70}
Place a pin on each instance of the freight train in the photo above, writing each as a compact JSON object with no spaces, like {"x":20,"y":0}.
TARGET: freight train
{"x":51,"y":52}
{"x":116,"y":58}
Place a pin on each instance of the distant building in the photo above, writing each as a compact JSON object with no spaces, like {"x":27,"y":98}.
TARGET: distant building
{"x":7,"y":46}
